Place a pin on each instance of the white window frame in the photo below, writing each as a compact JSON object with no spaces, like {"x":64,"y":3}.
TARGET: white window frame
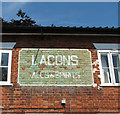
{"x":8,"y":82}
{"x":109,"y":53}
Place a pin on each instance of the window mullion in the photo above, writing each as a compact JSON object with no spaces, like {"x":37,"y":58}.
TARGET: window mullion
{"x":111,"y":68}
{"x":3,"y":66}
{"x":109,"y":65}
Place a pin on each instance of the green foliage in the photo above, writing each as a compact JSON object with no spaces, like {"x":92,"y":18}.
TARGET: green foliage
{"x":24,"y":20}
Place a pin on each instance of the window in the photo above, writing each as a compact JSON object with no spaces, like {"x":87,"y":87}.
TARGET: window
{"x":109,"y":67}
{"x":5,"y":66}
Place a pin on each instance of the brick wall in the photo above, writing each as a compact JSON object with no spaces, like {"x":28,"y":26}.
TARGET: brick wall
{"x":79,"y":42}
{"x":26,"y":99}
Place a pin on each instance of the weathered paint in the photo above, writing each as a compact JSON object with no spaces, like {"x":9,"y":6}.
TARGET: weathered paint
{"x":55,"y":67}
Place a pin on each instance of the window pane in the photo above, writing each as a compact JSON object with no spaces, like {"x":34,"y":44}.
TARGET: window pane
{"x":4,"y":59}
{"x":117,"y":77}
{"x":104,"y":59}
{"x":3,"y":74}
{"x":116,"y":61}
{"x":107,"y":78}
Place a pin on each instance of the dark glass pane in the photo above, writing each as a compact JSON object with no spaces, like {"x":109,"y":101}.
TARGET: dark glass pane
{"x":117,"y":77}
{"x":116,"y":61}
{"x":104,"y":60}
{"x":4,"y":59}
{"x":107,"y":78}
{"x":3,"y":74}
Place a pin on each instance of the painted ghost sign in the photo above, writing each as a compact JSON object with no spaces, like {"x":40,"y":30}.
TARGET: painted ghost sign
{"x":55,"y":67}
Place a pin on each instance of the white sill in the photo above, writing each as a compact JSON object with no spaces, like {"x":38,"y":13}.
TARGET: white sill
{"x":111,"y":85}
{"x":6,"y":84}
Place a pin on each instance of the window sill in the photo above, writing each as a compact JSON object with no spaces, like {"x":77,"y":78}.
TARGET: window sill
{"x":6,"y":84}
{"x":110,"y":85}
